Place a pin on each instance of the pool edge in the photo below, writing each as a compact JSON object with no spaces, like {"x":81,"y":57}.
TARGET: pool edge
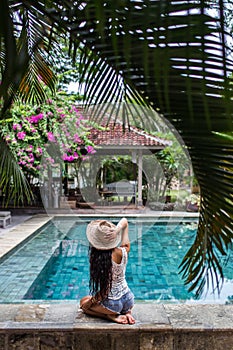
{"x":165,"y":327}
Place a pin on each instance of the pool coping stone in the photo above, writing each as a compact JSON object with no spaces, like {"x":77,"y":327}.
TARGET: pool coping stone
{"x":148,"y":317}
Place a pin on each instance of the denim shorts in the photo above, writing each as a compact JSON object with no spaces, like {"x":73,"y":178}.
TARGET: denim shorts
{"x":122,"y":305}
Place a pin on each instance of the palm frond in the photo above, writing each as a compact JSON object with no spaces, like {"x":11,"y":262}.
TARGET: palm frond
{"x":12,"y":179}
{"x":174,"y":55}
{"x":24,"y":63}
{"x":106,"y":93}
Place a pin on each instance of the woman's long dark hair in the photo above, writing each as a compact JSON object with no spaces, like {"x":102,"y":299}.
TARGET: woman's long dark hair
{"x":100,"y":272}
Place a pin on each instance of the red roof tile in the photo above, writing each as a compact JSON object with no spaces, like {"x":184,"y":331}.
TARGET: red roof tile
{"x":115,"y":135}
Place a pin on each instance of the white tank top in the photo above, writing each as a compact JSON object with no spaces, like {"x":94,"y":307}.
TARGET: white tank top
{"x":119,"y":284}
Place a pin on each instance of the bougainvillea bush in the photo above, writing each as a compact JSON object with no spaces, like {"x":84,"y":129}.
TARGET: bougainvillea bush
{"x":42,"y":136}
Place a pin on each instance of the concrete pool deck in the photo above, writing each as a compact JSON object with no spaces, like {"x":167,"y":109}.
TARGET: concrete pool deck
{"x":61,"y":326}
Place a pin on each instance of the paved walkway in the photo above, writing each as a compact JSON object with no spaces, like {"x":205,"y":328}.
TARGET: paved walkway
{"x":20,"y":229}
{"x":16,"y":220}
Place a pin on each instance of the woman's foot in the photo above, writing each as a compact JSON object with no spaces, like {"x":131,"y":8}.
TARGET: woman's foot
{"x":124,"y":319}
{"x":118,"y":318}
{"x":130,"y":318}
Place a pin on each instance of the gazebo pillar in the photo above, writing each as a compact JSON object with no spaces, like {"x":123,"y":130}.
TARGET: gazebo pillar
{"x":140,"y":177}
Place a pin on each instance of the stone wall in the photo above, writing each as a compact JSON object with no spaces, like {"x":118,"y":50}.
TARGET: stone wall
{"x":158,"y":327}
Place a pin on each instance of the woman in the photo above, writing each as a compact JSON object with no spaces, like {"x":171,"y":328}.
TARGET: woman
{"x":110,"y":297}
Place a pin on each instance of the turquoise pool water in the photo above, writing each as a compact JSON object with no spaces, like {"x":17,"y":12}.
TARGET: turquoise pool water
{"x":53,"y":265}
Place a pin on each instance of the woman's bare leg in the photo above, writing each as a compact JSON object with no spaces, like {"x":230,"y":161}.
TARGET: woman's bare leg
{"x":112,"y":317}
{"x":98,"y":310}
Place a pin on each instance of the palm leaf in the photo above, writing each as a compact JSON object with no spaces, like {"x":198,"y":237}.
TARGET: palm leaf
{"x":24,"y":62}
{"x":23,"y":74}
{"x":12,"y":179}
{"x":181,"y":68}
{"x":106,"y":90}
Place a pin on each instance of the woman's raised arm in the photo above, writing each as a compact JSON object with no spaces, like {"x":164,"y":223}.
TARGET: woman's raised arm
{"x":124,"y":227}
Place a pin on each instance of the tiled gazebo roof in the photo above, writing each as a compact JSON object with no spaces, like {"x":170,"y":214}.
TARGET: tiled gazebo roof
{"x":116,"y":136}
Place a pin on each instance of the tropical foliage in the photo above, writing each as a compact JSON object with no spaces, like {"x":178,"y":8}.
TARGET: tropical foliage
{"x":43,"y":139}
{"x":54,"y":132}
{"x":171,"y":56}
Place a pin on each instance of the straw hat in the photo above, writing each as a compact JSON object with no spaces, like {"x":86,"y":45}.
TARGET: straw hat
{"x":96,"y":231}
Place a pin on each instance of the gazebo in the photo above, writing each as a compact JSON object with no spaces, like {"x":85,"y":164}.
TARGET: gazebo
{"x":117,"y":139}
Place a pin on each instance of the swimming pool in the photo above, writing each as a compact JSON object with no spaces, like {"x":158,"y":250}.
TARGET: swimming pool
{"x":53,"y":264}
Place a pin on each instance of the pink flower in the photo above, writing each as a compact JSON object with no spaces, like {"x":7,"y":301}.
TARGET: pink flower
{"x":75,"y":109}
{"x":21,"y":135}
{"x":62,"y":116}
{"x":8,"y":138}
{"x":29,"y":148}
{"x":35,"y":118}
{"x":64,"y":156}
{"x":68,"y":158}
{"x":77,"y":138}
{"x":39,"y":150}
{"x":90,"y":149}
{"x":71,"y":158}
{"x":17,"y":127}
{"x":51,"y":137}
